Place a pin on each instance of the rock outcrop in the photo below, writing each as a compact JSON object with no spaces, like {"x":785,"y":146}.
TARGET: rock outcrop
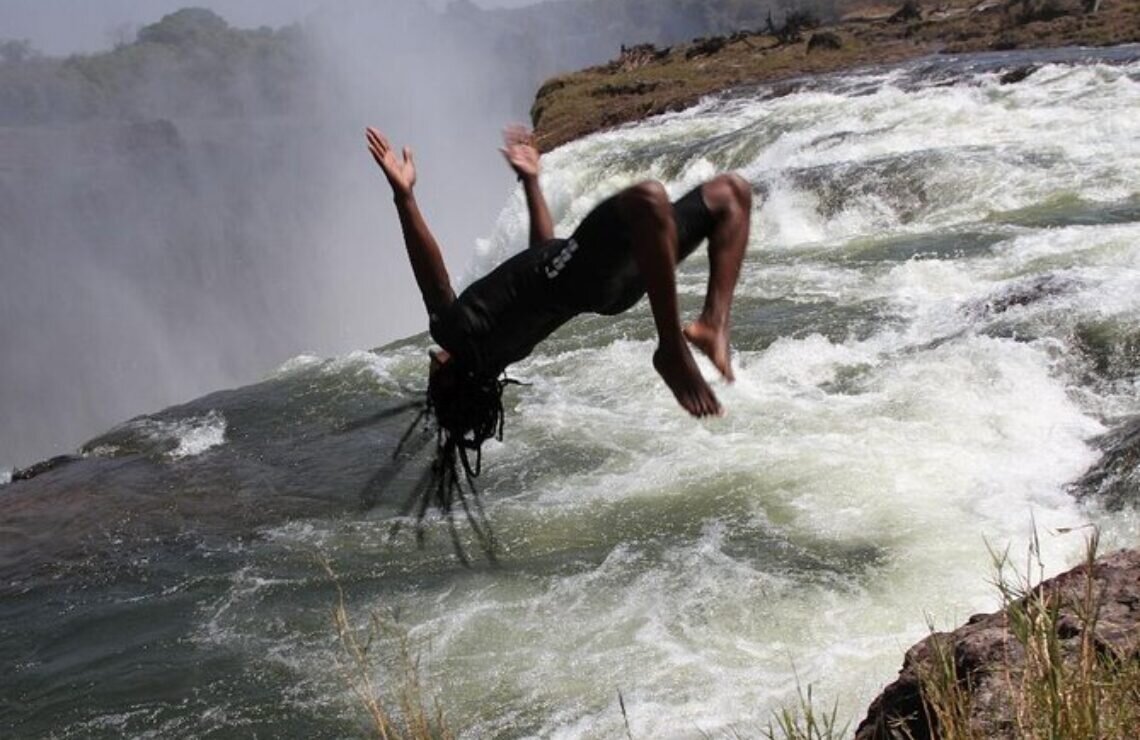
{"x":989,"y":660}
{"x":646,"y":81}
{"x":910,"y":11}
{"x":1115,"y":479}
{"x":824,"y":40}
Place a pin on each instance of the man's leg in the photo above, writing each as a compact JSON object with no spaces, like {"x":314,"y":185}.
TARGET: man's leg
{"x":729,"y":199}
{"x":653,"y":235}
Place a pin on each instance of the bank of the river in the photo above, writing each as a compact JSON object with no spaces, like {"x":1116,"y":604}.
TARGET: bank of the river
{"x":644,"y":81}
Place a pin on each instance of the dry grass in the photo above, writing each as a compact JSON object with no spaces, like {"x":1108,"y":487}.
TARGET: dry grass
{"x":397,"y":712}
{"x":1062,"y":691}
{"x":947,"y":702}
{"x":1056,"y":688}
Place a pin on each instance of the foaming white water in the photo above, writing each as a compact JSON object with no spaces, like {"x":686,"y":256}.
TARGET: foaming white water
{"x":887,"y":464}
{"x":909,"y":394}
{"x":893,"y":160}
{"x":172,"y":438}
{"x":296,"y":364}
{"x":182,"y":438}
{"x":390,"y":369}
{"x":882,"y":501}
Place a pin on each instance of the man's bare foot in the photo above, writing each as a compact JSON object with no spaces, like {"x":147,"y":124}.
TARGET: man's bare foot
{"x":680,"y":373}
{"x":714,"y":344}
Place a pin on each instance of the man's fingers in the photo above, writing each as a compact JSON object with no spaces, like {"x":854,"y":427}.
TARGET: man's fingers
{"x":376,"y":149}
{"x":516,"y":134}
{"x":375,"y":145}
{"x":381,"y":150}
{"x":378,"y":140}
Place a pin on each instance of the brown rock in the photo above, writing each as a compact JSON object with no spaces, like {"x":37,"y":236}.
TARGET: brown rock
{"x":1017,"y":74}
{"x":989,"y":660}
{"x":704,"y":47}
{"x":824,"y":40}
{"x":638,"y":55}
{"x":567,"y":110}
{"x":1115,"y":479}
{"x":910,"y":11}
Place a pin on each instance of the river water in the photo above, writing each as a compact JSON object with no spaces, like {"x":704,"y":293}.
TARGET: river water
{"x":938,"y":314}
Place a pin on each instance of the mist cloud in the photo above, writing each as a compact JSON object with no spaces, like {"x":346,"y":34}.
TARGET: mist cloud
{"x":184,"y":215}
{"x":184,"y":246}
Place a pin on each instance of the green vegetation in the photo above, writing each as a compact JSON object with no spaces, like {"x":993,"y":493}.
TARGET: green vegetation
{"x":189,"y":63}
{"x":804,"y":722}
{"x":192,"y":62}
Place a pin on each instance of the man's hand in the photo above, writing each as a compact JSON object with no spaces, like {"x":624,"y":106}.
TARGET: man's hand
{"x":520,"y":152}
{"x":401,"y":175}
{"x":522,"y":156}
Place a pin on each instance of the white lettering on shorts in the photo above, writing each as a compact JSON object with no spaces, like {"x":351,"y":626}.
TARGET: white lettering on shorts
{"x":561,"y":259}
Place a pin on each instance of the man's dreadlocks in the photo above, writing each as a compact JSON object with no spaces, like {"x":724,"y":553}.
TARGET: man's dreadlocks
{"x":467,"y":408}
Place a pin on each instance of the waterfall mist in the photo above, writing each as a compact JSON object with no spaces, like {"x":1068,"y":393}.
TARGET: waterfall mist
{"x":189,"y":210}
{"x":154,"y":254}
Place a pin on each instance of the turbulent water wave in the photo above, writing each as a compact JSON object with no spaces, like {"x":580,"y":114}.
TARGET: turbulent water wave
{"x":176,"y":438}
{"x":937,"y":316}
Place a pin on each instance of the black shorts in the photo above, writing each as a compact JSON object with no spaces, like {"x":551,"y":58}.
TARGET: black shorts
{"x":499,"y":318}
{"x":604,"y":273}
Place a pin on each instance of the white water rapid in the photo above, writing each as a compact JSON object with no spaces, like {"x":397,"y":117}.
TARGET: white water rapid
{"x":938,"y":314}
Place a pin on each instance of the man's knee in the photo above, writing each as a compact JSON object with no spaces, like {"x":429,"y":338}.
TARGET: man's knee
{"x":728,"y":194}
{"x":646,"y":200}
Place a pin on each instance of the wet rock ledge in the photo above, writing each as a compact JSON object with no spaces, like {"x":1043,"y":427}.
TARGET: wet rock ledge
{"x":990,"y":662}
{"x":646,"y":81}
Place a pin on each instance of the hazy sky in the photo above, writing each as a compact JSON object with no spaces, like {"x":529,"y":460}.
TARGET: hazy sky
{"x":63,"y":26}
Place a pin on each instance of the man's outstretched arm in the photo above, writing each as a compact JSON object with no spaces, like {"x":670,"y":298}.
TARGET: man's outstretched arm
{"x":522,"y":155}
{"x":423,"y":250}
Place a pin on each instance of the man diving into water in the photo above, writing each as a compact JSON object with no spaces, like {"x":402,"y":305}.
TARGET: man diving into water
{"x":628,"y":246}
